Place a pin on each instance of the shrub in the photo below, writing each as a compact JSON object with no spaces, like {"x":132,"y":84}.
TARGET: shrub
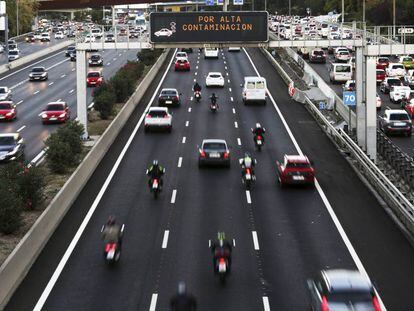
{"x":104,"y":103}
{"x":30,"y":186}
{"x":122,"y":85}
{"x":148,"y":57}
{"x":10,"y":210}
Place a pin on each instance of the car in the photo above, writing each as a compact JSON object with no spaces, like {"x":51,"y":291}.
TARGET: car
{"x":395,"y":121}
{"x":158,"y":117}
{"x":378,"y":102}
{"x":8,"y":111}
{"x":181,"y":55}
{"x":397,"y":93}
{"x":187,"y":50}
{"x":12,"y":47}
{"x":38,"y":74}
{"x":295,"y":169}
{"x":70,"y":49}
{"x":95,"y":60}
{"x":5,"y":93}
{"x":182,"y":64}
{"x":110,"y":37}
{"x":340,"y":289}
{"x":38,"y":35}
{"x":380,"y":75}
{"x":211,"y":53}
{"x":30,"y":38}
{"x":94,"y":78}
{"x":1,"y":48}
{"x":213,"y":152}
{"x":97,"y":33}
{"x":388,"y":82}
{"x":304,"y":52}
{"x":45,"y":37}
{"x":409,"y":107}
{"x":55,"y":112}
{"x":214,"y":79}
{"x":89,"y":38}
{"x":317,"y":56}
{"x":164,"y":32}
{"x":349,"y":86}
{"x":59,"y":35}
{"x":342,"y":56}
{"x":169,"y":97}
{"x":407,"y":62}
{"x":13,"y":55}
{"x":395,"y":70}
{"x":133,"y":34}
{"x":11,"y":147}
{"x":73,"y":57}
{"x":71,"y":34}
{"x":382,"y":62}
{"x":234,"y":49}
{"x":11,"y":41}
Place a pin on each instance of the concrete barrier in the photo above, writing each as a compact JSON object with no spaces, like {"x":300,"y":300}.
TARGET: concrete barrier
{"x":29,"y":58}
{"x":16,"y":266}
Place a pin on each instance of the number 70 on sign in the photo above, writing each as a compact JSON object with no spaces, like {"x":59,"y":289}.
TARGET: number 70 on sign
{"x":349,"y":98}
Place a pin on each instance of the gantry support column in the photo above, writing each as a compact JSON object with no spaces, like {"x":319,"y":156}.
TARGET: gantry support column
{"x":81,"y":90}
{"x":371,"y":109}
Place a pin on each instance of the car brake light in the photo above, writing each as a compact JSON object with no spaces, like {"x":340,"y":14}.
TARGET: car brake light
{"x":148,"y":116}
{"x":202,"y":153}
{"x":175,"y":97}
{"x":226,"y":155}
{"x":376,"y":303}
{"x":100,"y":79}
{"x":166,"y":116}
{"x":324,"y":304}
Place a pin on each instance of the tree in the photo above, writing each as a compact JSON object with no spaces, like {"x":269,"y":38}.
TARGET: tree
{"x":104,"y":99}
{"x":10,"y":211}
{"x":27,"y":12}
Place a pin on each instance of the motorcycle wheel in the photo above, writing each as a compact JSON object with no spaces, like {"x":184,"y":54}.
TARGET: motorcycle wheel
{"x":155,"y":194}
{"x":248,"y":184}
{"x":259,"y":147}
{"x":222,"y":278}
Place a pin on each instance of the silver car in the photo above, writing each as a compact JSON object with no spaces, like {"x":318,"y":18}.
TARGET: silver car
{"x":213,"y":152}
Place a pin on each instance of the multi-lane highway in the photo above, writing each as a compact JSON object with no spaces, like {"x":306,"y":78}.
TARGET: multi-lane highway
{"x":281,"y":236}
{"x":32,"y":97}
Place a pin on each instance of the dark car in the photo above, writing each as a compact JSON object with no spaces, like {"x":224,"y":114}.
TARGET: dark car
{"x":11,"y":147}
{"x":213,"y":152}
{"x":317,"y":56}
{"x":395,"y":122}
{"x":70,"y":49}
{"x":38,"y":74}
{"x":30,"y":38}
{"x":386,"y":85}
{"x":383,"y":62}
{"x":73,"y":57}
{"x":187,"y":50}
{"x":169,"y":97}
{"x":342,"y":290}
{"x":95,"y":60}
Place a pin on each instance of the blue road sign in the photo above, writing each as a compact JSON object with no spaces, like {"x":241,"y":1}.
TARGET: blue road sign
{"x":220,"y":2}
{"x":349,"y":98}
{"x":237,"y":2}
{"x":210,"y":2}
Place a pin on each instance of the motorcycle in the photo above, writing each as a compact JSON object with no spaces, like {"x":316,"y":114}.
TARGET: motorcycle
{"x":213,"y":107}
{"x":248,"y":178}
{"x":197,"y":96}
{"x":155,"y":188}
{"x":259,"y":142}
{"x":222,"y":268}
{"x":112,"y":251}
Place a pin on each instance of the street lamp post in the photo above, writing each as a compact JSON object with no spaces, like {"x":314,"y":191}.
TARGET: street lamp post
{"x":17,"y":17}
{"x":290,"y":8}
{"x":393,"y":19}
{"x":343,"y":11}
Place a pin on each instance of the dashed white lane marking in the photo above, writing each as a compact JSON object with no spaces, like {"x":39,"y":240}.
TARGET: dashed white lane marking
{"x":36,"y":92}
{"x":266,"y":305}
{"x":255,"y":240}
{"x":248,"y":197}
{"x":236,"y":125}
{"x":195,"y":73}
{"x":51,"y":83}
{"x":228,"y":80}
{"x":114,"y":58}
{"x":234,"y":242}
{"x":21,"y":129}
{"x":234,"y":111}
{"x":153,"y":302}
{"x":71,"y":91}
{"x":189,"y":109}
{"x":224,"y":61}
{"x":198,"y":61}
{"x":18,"y":84}
{"x":120,"y":54}
{"x":73,"y":69}
{"x":224,"y":57}
{"x":196,"y":67}
{"x":195,"y":80}
{"x":184,"y":140}
{"x":108,"y":64}
{"x":165,"y":239}
{"x":173,"y":196}
{"x":19,"y":102}
{"x":187,"y":123}
{"x":180,"y":161}
{"x":62,"y":76}
{"x":239,"y":141}
{"x":231,"y":98}
{"x":191,"y":98}
{"x":60,"y":99}
{"x":227,"y":73}
{"x":229,"y":89}
{"x":225,"y":67}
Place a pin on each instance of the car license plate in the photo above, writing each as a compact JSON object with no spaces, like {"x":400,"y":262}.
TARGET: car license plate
{"x":298,"y":177}
{"x":53,"y":119}
{"x":168,"y":101}
{"x":399,"y":124}
{"x":214,"y":155}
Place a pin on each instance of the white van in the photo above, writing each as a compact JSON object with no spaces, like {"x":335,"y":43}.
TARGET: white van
{"x":339,"y":72}
{"x":211,"y":53}
{"x":97,"y":33}
{"x":254,"y":90}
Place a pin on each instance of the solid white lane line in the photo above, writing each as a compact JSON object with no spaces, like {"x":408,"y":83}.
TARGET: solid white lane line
{"x":255,"y":241}
{"x":21,"y":129}
{"x":189,"y":109}
{"x":327,"y":204}
{"x":266,"y":305}
{"x":187,"y":123}
{"x":19,"y":102}
{"x":173,"y":196}
{"x":165,"y":239}
{"x":49,"y":287}
{"x":51,"y":83}
{"x":183,"y":141}
{"x":180,"y":161}
{"x":236,"y":125}
{"x":18,"y":84}
{"x":36,"y":92}
{"x":231,"y":98}
{"x":71,"y":91}
{"x":248,"y":197}
{"x":234,"y":111}
{"x":153,"y":302}
{"x":239,"y":141}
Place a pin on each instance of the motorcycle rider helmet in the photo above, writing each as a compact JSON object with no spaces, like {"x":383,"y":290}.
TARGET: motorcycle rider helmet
{"x":213,"y":95}
{"x":111,"y":220}
{"x":247,"y":154}
{"x":258,"y":125}
{"x":182,"y":290}
{"x":155,"y":163}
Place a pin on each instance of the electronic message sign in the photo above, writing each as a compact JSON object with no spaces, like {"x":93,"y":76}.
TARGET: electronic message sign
{"x":209,"y":27}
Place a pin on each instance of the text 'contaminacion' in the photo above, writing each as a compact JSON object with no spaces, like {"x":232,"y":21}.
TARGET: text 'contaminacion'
{"x":224,"y":23}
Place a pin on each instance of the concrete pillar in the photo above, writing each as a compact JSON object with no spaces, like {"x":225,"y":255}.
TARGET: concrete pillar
{"x":81,"y":90}
{"x":360,"y":95}
{"x":72,"y":15}
{"x":371,"y":110}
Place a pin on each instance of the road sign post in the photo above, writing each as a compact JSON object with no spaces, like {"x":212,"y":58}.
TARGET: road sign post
{"x":349,"y":99}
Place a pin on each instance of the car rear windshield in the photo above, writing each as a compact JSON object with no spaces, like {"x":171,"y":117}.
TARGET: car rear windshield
{"x":214,"y":146}
{"x":343,"y":68}
{"x":215,"y":75}
{"x":2,"y":90}
{"x":157,"y":114}
{"x":399,"y":116}
{"x":318,"y":53}
{"x":5,"y":106}
{"x":382,"y":60}
{"x":407,"y":59}
{"x":13,"y":52}
{"x":182,"y":61}
{"x":347,"y":297}
{"x":95,"y":57}
{"x":94,"y":74}
{"x":297,"y":164}
{"x":38,"y":69}
{"x":344,"y":52}
{"x":398,"y":66}
{"x":380,"y":72}
{"x":394,"y":81}
{"x":6,"y":141}
{"x":54,"y":107}
{"x":169,"y":93}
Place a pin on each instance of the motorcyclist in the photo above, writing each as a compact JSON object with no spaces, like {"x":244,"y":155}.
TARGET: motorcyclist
{"x":111,"y":232}
{"x":213,"y":99}
{"x":248,"y":162}
{"x":183,"y":301}
{"x":197,"y":87}
{"x":155,"y":171}
{"x":258,"y":131}
{"x":221,"y":249}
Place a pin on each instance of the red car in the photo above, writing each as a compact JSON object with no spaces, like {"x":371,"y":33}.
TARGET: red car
{"x":182,"y":64}
{"x":8,"y":111}
{"x":295,"y":169}
{"x":410,"y":109}
{"x":382,"y":62}
{"x":94,"y":78}
{"x":55,"y":112}
{"x":380,"y":75}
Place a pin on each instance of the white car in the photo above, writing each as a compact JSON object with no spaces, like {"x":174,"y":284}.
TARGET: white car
{"x":89,"y":38}
{"x":163,"y":33}
{"x":45,"y":37}
{"x":395,"y":70}
{"x":59,"y":35}
{"x":342,"y":56}
{"x":211,"y":53}
{"x":234,"y":49}
{"x":181,"y":55}
{"x":158,"y":117}
{"x":214,"y":79}
{"x":5,"y":93}
{"x":13,"y":55}
{"x":397,"y":93}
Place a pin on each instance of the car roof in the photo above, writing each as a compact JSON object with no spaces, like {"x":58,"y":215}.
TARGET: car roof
{"x":296,"y":158}
{"x":14,"y":135}
{"x":39,"y":67}
{"x":169,"y":89}
{"x":158,"y":109}
{"x":214,"y":73}
{"x":181,"y":58}
{"x":213,"y":140}
{"x":254,"y":79}
{"x":56,"y":103}
{"x":338,"y":280}
{"x":94,"y":71}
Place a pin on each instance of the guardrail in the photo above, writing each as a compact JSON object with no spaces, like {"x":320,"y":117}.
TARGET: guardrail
{"x":399,"y":204}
